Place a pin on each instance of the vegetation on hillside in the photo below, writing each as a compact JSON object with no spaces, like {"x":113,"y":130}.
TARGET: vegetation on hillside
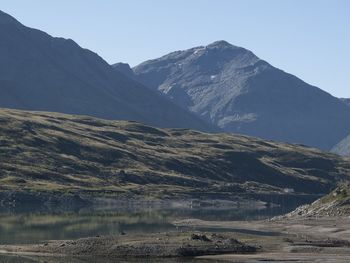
{"x":57,"y":153}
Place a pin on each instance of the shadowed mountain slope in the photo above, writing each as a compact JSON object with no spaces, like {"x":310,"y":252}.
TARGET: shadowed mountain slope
{"x":346,"y":101}
{"x":40,"y":72}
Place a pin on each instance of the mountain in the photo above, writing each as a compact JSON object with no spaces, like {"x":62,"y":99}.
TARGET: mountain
{"x":40,"y":72}
{"x":125,"y":69}
{"x":343,"y":147}
{"x":231,"y":87}
{"x":346,"y":101}
{"x":58,"y":154}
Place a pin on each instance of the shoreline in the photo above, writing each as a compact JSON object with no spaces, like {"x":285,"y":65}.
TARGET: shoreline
{"x":82,"y":199}
{"x":160,"y":245}
{"x":298,"y":239}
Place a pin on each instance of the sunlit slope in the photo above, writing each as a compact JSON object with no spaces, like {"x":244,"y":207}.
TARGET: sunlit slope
{"x":42,"y":151}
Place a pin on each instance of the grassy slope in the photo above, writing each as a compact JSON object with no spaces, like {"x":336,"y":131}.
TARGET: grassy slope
{"x":64,"y":153}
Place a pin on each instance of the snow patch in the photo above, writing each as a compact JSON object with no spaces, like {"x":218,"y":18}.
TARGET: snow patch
{"x":167,"y":89}
{"x":198,"y":50}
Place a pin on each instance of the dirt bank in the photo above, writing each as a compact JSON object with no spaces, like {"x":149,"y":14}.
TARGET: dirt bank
{"x":173,"y":244}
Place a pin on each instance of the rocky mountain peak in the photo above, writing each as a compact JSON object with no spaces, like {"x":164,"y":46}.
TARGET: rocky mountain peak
{"x":221,"y":44}
{"x":232,"y":88}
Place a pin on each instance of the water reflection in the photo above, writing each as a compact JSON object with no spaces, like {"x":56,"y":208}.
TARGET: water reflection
{"x":34,"y":225}
{"x":18,"y":226}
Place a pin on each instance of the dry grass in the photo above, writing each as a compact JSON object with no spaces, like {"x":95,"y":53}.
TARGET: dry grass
{"x":54,"y":152}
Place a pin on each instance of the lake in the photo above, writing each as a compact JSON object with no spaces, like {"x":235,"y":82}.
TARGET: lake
{"x":33,"y":225}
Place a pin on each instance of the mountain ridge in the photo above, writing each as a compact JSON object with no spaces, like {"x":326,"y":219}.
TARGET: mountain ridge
{"x":232,"y":88}
{"x":40,"y":72}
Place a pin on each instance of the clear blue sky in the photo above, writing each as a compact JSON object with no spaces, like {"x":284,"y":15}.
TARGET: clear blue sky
{"x":308,"y":38}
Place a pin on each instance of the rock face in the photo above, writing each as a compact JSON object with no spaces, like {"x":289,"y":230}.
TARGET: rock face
{"x":335,"y":204}
{"x":231,"y":87}
{"x":40,"y":72}
{"x":343,"y":147}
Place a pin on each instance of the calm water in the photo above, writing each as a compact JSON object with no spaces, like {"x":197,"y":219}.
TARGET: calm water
{"x":27,"y":225}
